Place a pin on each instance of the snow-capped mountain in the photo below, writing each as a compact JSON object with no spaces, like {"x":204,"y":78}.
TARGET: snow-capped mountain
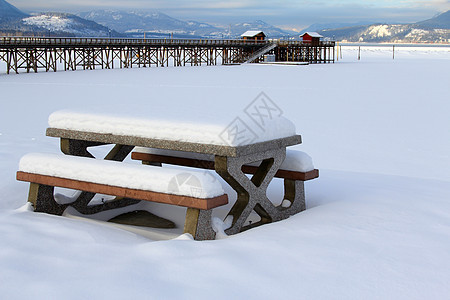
{"x":13,"y":21}
{"x":389,"y":33}
{"x":404,"y":33}
{"x":66,"y":24}
{"x":435,"y":30}
{"x":150,"y":22}
{"x":157,"y":22}
{"x":269,"y":30}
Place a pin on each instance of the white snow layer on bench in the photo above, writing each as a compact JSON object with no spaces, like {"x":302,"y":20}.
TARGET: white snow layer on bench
{"x":216,"y":134}
{"x":295,"y":160}
{"x":141,"y":177}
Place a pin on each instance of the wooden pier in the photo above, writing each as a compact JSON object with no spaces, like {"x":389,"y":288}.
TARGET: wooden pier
{"x":52,"y":54}
{"x":296,"y":51}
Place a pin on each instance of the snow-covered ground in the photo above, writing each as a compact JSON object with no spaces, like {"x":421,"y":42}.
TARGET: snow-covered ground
{"x":377,"y":224}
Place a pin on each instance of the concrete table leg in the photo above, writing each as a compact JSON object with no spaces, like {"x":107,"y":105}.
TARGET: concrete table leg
{"x":294,"y":192}
{"x":41,"y":196}
{"x":198,"y":224}
{"x":251,"y":193}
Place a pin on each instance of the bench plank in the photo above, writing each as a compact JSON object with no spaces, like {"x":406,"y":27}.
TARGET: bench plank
{"x":206,"y":164}
{"x":185,"y":201}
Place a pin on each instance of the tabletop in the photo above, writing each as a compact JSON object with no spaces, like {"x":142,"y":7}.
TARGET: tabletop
{"x":234,"y":139}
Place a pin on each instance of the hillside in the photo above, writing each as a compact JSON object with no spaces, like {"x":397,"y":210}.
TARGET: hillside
{"x":435,"y":30}
{"x":15,"y":22}
{"x":382,"y":33}
{"x":270,"y":30}
{"x":441,"y":21}
{"x":11,"y":18}
{"x":156,"y":22}
{"x":9,"y":12}
{"x":66,"y":24}
{"x":160,"y":23}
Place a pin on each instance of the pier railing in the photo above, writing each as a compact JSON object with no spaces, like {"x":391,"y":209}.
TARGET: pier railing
{"x":285,"y":43}
{"x":48,"y":41}
{"x":53,"y":41}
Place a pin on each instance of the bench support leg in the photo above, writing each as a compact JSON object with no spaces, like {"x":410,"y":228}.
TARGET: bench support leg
{"x":198,"y":224}
{"x":294,"y":191}
{"x":117,"y":153}
{"x":41,"y":196}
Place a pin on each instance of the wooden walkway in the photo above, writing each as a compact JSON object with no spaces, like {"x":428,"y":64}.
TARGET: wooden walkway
{"x":52,"y":54}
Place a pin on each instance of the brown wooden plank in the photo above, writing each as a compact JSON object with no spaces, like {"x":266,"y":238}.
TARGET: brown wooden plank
{"x":124,"y":192}
{"x":206,"y":164}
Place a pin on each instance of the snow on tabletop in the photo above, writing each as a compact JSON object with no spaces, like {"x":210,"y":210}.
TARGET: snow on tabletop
{"x":192,"y":131}
{"x":162,"y":180}
{"x":295,"y":160}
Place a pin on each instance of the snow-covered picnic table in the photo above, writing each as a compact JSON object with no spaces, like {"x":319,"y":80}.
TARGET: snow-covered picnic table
{"x":232,"y":153}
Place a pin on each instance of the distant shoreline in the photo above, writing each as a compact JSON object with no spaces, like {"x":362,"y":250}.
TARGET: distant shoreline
{"x":395,"y":44}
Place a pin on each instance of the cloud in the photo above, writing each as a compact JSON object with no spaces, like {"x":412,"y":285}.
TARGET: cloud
{"x":442,"y":5}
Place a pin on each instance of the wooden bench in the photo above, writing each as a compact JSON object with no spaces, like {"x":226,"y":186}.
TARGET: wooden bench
{"x":46,"y":171}
{"x":197,"y":160}
{"x":294,"y":169}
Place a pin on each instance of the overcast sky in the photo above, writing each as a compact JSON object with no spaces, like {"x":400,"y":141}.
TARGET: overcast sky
{"x":290,"y":13}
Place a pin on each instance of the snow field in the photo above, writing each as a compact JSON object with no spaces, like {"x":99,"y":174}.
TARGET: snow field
{"x":401,"y":51}
{"x":377,"y":220}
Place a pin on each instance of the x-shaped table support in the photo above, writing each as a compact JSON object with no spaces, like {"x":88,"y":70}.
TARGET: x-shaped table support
{"x":252,"y":192}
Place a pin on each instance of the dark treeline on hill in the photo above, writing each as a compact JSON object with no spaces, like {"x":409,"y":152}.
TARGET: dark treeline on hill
{"x":10,"y":12}
{"x":441,"y":21}
{"x":11,"y":18}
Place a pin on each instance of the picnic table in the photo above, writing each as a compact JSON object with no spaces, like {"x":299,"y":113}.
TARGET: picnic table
{"x":262,"y":159}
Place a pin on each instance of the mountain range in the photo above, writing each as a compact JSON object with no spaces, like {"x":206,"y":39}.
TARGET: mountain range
{"x":386,"y":33}
{"x":157,"y":23}
{"x":15,"y":22}
{"x":136,"y":23}
{"x":67,"y":24}
{"x":434,"y":30}
{"x":104,"y":23}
